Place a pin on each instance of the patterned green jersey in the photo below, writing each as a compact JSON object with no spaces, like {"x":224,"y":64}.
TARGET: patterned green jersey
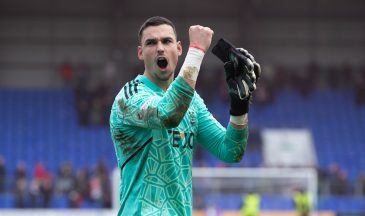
{"x":154,"y":133}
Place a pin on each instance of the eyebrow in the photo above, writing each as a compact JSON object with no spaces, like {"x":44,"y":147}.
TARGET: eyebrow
{"x":155,"y":39}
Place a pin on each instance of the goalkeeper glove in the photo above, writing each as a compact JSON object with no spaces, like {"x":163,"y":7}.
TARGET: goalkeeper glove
{"x":242,"y":73}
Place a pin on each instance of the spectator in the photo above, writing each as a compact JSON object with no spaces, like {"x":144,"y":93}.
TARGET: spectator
{"x":304,"y":82}
{"x":39,"y":172}
{"x":103,"y":175}
{"x":313,"y":75}
{"x":95,"y":189}
{"x":264,"y":95}
{"x":109,"y":73}
{"x":302,"y":202}
{"x":338,"y":180}
{"x":83,"y":183}
{"x":100,"y":186}
{"x":41,"y":187}
{"x":20,"y":171}
{"x":323,"y":181}
{"x":46,"y":190}
{"x":82,"y":107}
{"x":345,"y":72}
{"x":34,"y":192}
{"x":344,"y":187}
{"x":106,"y":190}
{"x":82,"y":75}
{"x":251,"y":204}
{"x":360,"y":185}
{"x":65,"y":181}
{"x":21,"y":187}
{"x":2,"y":174}
{"x":66,"y":72}
{"x":199,"y":203}
{"x":333,"y":77}
{"x":81,"y":191}
{"x":40,"y":190}
{"x":360,"y":86}
{"x":83,"y":93}
{"x":96,"y":111}
{"x":282,"y":78}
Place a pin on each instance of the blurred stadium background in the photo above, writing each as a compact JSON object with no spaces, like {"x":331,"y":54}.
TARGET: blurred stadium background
{"x":62,"y":63}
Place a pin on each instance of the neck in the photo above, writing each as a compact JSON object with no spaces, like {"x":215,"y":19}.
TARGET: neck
{"x":163,"y":84}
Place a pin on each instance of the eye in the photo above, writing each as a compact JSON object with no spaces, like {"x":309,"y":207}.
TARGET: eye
{"x":150,"y":42}
{"x":167,"y":41}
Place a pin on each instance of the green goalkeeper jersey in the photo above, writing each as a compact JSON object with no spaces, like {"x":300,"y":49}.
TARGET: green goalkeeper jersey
{"x":154,"y":134}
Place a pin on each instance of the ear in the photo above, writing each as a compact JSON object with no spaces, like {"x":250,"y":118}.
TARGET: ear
{"x":139,"y":53}
{"x":179,"y":48}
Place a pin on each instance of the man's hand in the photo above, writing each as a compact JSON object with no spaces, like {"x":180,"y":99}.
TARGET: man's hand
{"x":242,"y":73}
{"x":200,"y":37}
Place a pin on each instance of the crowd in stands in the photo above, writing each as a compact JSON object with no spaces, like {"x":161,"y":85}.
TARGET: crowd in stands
{"x":36,"y":190}
{"x":304,"y":80}
{"x":95,"y":92}
{"x":94,"y":95}
{"x":334,"y":181}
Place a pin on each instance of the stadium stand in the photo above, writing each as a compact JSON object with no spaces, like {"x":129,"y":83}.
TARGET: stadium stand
{"x":41,"y":125}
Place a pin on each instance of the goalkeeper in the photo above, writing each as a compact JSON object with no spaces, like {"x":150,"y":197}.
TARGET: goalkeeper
{"x":156,"y":119}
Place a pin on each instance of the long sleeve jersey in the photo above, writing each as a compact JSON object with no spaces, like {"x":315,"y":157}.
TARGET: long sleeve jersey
{"x":154,"y":134}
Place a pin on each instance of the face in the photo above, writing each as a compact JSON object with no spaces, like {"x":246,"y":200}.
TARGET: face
{"x":160,"y":51}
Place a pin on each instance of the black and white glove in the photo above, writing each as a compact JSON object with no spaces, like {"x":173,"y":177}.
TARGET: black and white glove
{"x":242,"y":73}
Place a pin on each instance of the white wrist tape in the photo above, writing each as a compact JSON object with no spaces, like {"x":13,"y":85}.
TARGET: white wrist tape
{"x":239,"y":120}
{"x":193,"y":60}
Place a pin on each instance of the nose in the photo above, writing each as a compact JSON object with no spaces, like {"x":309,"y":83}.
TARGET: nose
{"x":160,"y":47}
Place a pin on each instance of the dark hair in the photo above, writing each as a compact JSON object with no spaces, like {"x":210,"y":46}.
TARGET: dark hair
{"x":154,"y":21}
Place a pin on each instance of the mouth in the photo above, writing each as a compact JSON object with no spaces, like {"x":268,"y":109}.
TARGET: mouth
{"x":162,"y":62}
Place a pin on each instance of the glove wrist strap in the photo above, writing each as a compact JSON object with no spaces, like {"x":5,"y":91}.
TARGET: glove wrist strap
{"x":239,"y":107}
{"x":241,"y":120}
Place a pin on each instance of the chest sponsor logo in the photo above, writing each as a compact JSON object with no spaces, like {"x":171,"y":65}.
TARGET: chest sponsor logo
{"x":181,"y":139}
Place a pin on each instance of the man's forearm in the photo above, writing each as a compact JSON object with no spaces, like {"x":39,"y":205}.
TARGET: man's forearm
{"x":190,"y":69}
{"x":235,"y":143}
{"x":239,"y":122}
{"x":176,"y":101}
{"x":228,"y":144}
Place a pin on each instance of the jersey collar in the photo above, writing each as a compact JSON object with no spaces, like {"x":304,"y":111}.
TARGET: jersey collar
{"x":149,"y":83}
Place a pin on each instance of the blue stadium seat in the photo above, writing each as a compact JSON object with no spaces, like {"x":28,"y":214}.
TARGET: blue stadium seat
{"x":7,"y":200}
